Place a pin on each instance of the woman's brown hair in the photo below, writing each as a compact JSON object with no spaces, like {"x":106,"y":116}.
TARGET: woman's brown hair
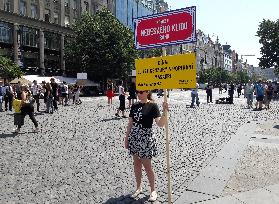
{"x":149,"y":96}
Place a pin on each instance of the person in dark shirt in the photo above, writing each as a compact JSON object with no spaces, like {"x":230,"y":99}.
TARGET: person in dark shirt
{"x":269,"y":94}
{"x":132,"y":94}
{"x":231,"y":93}
{"x":140,"y":140}
{"x":54,"y":87}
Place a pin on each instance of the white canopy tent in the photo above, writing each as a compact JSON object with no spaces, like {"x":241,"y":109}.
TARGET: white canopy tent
{"x":58,"y":79}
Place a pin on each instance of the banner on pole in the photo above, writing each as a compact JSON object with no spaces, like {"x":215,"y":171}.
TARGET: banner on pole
{"x":168,"y":28}
{"x":81,"y":75}
{"x":170,"y":72}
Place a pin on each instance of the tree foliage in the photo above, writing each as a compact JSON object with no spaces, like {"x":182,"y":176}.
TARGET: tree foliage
{"x":8,"y":69}
{"x":218,"y":75}
{"x":269,"y":38}
{"x":101,"y":46}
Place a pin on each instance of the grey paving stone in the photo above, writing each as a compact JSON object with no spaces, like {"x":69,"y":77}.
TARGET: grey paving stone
{"x":192,"y":197}
{"x":79,"y":153}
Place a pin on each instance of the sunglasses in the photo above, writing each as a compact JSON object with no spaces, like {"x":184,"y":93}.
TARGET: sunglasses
{"x":140,"y":92}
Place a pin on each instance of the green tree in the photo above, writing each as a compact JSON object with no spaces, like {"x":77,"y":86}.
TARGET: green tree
{"x":101,"y":46}
{"x":8,"y":69}
{"x":269,"y":38}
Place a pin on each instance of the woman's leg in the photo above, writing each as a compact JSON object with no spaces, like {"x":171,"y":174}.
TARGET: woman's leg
{"x":138,"y":170}
{"x":150,"y":173}
{"x":32,"y":117}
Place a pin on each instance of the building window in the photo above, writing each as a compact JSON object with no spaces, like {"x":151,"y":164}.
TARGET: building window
{"x":7,"y":5}
{"x":47,"y":15}
{"x":56,"y":18}
{"x":67,"y":21}
{"x":67,"y":3}
{"x":5,"y":33}
{"x":22,"y":8}
{"x":34,"y":13}
{"x":29,"y":37}
{"x":75,"y":6}
{"x":86,"y":5}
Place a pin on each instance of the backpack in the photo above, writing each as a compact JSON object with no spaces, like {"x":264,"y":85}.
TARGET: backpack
{"x":63,"y":89}
{"x":260,"y":90}
{"x":8,"y":91}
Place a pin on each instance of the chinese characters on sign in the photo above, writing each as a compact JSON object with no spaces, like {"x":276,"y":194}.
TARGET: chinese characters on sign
{"x":170,"y":72}
{"x":170,"y":28}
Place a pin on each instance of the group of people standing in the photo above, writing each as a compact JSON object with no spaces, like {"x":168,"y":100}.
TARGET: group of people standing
{"x":264,"y":93}
{"x":132,"y":96}
{"x":23,"y":98}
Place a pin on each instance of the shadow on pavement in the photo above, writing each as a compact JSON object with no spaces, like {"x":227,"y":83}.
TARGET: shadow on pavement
{"x":8,"y":135}
{"x":110,"y":119}
{"x":276,"y":126}
{"x":128,"y":200}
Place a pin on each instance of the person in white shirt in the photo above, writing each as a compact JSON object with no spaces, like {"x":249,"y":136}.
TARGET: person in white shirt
{"x":121,"y":100}
{"x":249,"y":91}
{"x":64,"y":93}
{"x":195,"y":96}
{"x":36,"y":91}
{"x":2,"y":93}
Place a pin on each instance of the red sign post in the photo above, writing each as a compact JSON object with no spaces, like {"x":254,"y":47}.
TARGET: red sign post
{"x":169,"y":28}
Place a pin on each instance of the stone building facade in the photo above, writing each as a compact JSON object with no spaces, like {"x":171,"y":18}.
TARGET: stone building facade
{"x":32,"y":32}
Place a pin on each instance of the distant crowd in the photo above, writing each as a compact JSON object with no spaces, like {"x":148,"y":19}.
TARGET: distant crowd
{"x":262,"y":91}
{"x":22,"y":98}
{"x":53,"y":94}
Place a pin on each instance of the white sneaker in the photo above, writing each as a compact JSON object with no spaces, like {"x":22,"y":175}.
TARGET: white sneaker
{"x":153,"y":196}
{"x":136,"y":193}
{"x":16,"y":130}
{"x":36,"y":130}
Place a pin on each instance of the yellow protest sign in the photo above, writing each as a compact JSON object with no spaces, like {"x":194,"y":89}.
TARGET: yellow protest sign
{"x":170,"y":72}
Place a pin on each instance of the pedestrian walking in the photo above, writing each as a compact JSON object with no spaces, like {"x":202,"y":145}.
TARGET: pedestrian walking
{"x":140,"y":140}
{"x":209,"y":92}
{"x":249,"y":91}
{"x":2,"y":92}
{"x":27,"y":107}
{"x":220,"y":88}
{"x":110,"y":92}
{"x":54,"y":87}
{"x":49,"y":98}
{"x":269,"y":94}
{"x":77,"y":100}
{"x":231,"y":93}
{"x":121,"y":100}
{"x":195,"y":96}
{"x":8,"y":97}
{"x":132,"y":94}
{"x":239,"y":89}
{"x":64,"y":93}
{"x":36,"y":91}
{"x":259,"y":91}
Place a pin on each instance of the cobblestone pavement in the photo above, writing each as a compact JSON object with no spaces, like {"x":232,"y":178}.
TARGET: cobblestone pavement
{"x":78,"y":157}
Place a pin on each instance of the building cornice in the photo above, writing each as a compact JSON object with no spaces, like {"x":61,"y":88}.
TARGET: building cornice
{"x":34,"y":23}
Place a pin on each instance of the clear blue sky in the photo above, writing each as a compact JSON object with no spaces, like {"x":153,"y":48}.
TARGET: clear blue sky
{"x":235,"y":22}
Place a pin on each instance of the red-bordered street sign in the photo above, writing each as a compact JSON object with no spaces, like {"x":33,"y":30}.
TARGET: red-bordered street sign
{"x":169,"y":28}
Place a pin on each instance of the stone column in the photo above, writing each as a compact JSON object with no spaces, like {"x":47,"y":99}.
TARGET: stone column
{"x":16,"y":6}
{"x":62,"y":13}
{"x":62,"y":54}
{"x":28,"y":8}
{"x":1,"y":5}
{"x":42,"y":53}
{"x":41,"y":11}
{"x":15,"y":39}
